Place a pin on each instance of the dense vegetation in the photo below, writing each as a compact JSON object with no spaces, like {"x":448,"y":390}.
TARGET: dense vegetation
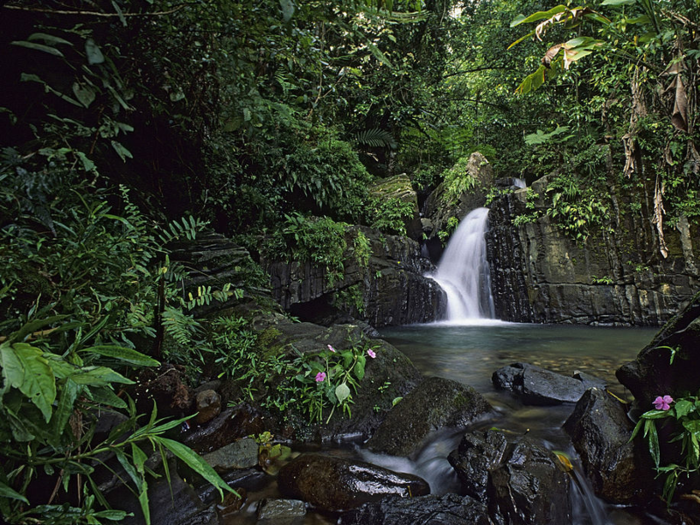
{"x":127,"y":125}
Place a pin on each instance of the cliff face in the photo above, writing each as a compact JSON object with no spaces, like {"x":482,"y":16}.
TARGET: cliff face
{"x":615,"y":277}
{"x":389,"y":290}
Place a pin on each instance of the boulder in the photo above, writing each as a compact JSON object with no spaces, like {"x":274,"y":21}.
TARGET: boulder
{"x":334,"y":484}
{"x":653,"y":374}
{"x":450,"y":509}
{"x":600,"y":431}
{"x":530,"y":487}
{"x":538,"y":386}
{"x":435,"y":404}
{"x":516,"y":478}
{"x":477,"y":455}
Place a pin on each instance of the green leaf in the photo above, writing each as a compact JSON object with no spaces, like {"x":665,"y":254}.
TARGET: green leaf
{"x":342,"y":391}
{"x":99,"y":376}
{"x":50,"y":39}
{"x":25,"y":368}
{"x":539,"y":15}
{"x":122,"y":353}
{"x":360,"y":367}
{"x":38,"y":47}
{"x":94,"y":55}
{"x":104,"y":395}
{"x":121,"y":150}
{"x":7,"y":492}
{"x":619,"y":2}
{"x":650,"y":433}
{"x":84,"y":94}
{"x":64,"y":409}
{"x":196,"y":463}
{"x":287,"y":9}
{"x":683,"y":407}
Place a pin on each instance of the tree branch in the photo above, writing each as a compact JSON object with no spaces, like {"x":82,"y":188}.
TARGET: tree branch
{"x":92,"y":13}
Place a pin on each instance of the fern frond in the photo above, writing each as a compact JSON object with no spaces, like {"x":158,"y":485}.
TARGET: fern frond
{"x":180,"y":326}
{"x":375,"y":138}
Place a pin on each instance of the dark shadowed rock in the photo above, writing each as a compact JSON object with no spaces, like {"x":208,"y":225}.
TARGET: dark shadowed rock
{"x":231,"y":424}
{"x":519,"y":480}
{"x":651,"y":374}
{"x":530,"y":487}
{"x":478,"y":454}
{"x":538,"y":386}
{"x":174,"y":503}
{"x":450,"y":509}
{"x":335,"y":484}
{"x":600,"y":431}
{"x":435,"y":404}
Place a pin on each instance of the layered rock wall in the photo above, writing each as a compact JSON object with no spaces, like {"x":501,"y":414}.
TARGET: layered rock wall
{"x":390,"y":290}
{"x":615,"y":277}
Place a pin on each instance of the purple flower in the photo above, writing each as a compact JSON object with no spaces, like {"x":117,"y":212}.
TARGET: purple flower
{"x":331,"y":349}
{"x":371,"y":353}
{"x":663,"y":403}
{"x":320,"y":377}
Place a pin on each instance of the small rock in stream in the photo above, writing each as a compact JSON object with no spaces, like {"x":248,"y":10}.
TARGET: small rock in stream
{"x":335,"y":484}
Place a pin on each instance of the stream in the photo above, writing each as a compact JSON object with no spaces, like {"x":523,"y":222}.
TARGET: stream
{"x":470,"y":352}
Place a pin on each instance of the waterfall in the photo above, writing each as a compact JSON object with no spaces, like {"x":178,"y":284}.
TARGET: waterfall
{"x":463,"y":271}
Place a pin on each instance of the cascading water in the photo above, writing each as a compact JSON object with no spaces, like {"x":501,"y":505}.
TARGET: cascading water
{"x":463,"y":271}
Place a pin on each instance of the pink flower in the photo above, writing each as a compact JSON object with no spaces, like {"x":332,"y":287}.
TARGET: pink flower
{"x":663,"y":403}
{"x":320,"y":377}
{"x":331,"y":349}
{"x":371,"y":353}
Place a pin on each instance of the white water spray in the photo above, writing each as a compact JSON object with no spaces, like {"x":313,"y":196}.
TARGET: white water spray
{"x":463,"y":271}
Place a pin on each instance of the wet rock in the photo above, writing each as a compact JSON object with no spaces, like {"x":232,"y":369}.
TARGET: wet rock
{"x":281,"y":511}
{"x":450,"y":509}
{"x":174,"y":503}
{"x":477,"y":455}
{"x":231,"y":424}
{"x":335,"y":484}
{"x":435,"y":404}
{"x":208,"y":404}
{"x":652,"y":374}
{"x":238,"y":455}
{"x":600,"y":431}
{"x":530,"y":487}
{"x":538,"y":386}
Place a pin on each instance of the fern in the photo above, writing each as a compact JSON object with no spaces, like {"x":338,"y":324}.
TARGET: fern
{"x":375,"y":138}
{"x":180,"y":326}
{"x":186,"y":228}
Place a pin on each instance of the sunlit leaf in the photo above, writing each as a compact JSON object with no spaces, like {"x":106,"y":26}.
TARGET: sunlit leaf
{"x":25,"y":368}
